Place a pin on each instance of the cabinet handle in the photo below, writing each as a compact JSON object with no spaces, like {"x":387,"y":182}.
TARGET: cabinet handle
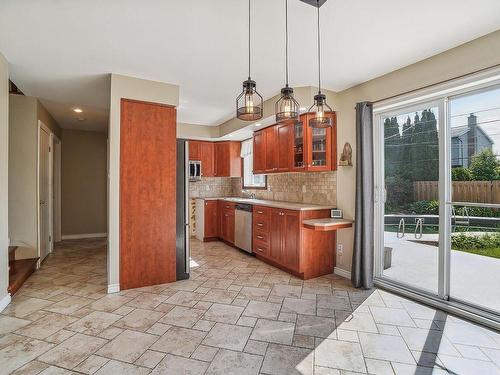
{"x":226,"y":215}
{"x":259,"y":212}
{"x":260,"y":237}
{"x":259,"y":224}
{"x":259,"y":249}
{"x":228,"y":206}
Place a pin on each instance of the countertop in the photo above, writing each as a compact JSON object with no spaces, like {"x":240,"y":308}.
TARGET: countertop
{"x":327,"y":224}
{"x":275,"y":204}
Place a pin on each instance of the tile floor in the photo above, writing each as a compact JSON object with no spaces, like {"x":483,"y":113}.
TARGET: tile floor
{"x":236,"y":315}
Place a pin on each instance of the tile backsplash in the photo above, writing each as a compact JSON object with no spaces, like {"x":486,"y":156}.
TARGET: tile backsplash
{"x":312,"y":187}
{"x":210,"y":187}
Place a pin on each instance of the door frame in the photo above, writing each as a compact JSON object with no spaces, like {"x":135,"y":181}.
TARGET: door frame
{"x":438,"y":95}
{"x":42,"y":127}
{"x":56,"y":180}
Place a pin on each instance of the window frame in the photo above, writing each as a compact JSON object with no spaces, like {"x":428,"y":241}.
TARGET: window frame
{"x":243,"y":186}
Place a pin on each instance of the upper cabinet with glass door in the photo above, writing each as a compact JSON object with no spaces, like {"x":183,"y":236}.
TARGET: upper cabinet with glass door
{"x":320,"y":150}
{"x":295,"y":147}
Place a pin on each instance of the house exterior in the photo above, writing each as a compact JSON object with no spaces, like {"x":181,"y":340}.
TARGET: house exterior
{"x":467,"y":141}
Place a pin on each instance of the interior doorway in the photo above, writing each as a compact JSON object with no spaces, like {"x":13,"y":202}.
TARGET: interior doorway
{"x":45,"y":191}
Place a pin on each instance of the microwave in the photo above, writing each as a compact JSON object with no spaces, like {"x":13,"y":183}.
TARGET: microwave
{"x":194,"y":170}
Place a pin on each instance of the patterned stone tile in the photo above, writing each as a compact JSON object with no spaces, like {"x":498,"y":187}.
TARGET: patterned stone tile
{"x":284,"y":360}
{"x":179,"y":341}
{"x":266,"y":310}
{"x":139,"y":320}
{"x":223,"y":313}
{"x":128,"y":346}
{"x":115,"y":367}
{"x":74,"y":350}
{"x":94,"y":323}
{"x":273,"y":331}
{"x":228,"y":336}
{"x":172,"y":364}
{"x":182,"y":317}
{"x":227,"y":362}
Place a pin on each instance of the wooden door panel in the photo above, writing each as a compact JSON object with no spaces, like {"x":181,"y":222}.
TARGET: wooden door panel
{"x":259,"y":152}
{"x":147,"y":194}
{"x":194,"y":150}
{"x":271,"y":149}
{"x":285,"y":148}
{"x":291,"y":239}
{"x":275,"y":235}
{"x":230,"y":229}
{"x":207,"y":159}
{"x":211,"y":219}
{"x":221,"y":155}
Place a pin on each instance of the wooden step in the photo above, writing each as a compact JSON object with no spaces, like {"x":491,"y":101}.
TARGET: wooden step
{"x":23,"y":269}
{"x":12,"y":258}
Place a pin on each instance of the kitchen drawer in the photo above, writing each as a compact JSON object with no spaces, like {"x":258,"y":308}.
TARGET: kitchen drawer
{"x":260,"y":224}
{"x":260,"y":211}
{"x":261,"y":248}
{"x":261,"y":236}
{"x":228,"y":205}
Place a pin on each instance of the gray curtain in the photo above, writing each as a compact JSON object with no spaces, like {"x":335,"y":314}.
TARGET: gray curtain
{"x":362,"y":257}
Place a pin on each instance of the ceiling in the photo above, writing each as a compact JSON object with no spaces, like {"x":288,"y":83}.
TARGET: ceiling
{"x":62,"y":50}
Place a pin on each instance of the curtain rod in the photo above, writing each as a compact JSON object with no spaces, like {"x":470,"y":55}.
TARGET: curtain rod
{"x":437,"y":83}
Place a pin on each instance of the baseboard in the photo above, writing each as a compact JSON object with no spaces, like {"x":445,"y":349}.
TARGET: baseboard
{"x":4,"y":302}
{"x":84,"y":235}
{"x":113,"y":288}
{"x":342,"y":272}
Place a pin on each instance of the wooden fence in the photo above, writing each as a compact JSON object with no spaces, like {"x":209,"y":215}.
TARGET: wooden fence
{"x":462,"y":191}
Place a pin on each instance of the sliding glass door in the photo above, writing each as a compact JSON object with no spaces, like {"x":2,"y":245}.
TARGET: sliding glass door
{"x":437,"y":194}
{"x":411,"y":170}
{"x":474,"y":120}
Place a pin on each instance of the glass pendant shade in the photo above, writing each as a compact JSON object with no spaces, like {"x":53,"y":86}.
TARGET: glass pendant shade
{"x":286,"y":108}
{"x":321,"y":112}
{"x":249,"y":103}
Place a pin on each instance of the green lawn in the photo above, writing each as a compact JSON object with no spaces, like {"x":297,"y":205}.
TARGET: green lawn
{"x":492,"y":252}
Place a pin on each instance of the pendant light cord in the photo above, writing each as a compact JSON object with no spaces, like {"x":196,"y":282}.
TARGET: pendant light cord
{"x":249,"y":32}
{"x":286,"y":41}
{"x":319,"y":55}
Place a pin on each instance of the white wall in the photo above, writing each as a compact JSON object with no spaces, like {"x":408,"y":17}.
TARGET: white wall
{"x":4,"y":185}
{"x":128,"y":88}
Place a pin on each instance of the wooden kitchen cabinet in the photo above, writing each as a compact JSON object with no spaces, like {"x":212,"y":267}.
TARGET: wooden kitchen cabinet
{"x":285,"y":238}
{"x":195,"y":150}
{"x":271,"y":149}
{"x":207,"y":159}
{"x":259,"y":152}
{"x":227,"y":159}
{"x":211,"y":220}
{"x":283,"y":147}
{"x":227,"y":221}
{"x":280,"y":239}
{"x":295,"y":147}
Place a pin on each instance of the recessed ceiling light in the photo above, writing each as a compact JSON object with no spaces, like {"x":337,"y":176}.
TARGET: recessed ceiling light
{"x":302,"y":109}
{"x":258,"y":124}
{"x":77,"y":110}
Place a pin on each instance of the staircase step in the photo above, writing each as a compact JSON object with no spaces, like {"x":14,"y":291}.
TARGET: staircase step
{"x":12,"y":258}
{"x":23,"y":269}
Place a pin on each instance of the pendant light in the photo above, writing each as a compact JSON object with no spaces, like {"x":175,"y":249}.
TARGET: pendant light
{"x":319,"y":108}
{"x":286,"y":108}
{"x":249,"y":102}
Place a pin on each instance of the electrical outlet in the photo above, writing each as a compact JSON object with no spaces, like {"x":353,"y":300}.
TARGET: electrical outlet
{"x":340,"y":249}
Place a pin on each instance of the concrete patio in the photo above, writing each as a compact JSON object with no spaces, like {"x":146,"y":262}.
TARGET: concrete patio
{"x":474,"y":278}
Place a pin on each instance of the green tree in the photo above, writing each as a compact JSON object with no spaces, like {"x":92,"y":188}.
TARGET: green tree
{"x":461,"y":174}
{"x":485,"y":166}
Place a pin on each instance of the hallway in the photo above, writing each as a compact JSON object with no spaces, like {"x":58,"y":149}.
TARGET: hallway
{"x":236,"y":315}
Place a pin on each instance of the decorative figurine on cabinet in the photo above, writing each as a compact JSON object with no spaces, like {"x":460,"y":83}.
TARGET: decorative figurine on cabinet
{"x":346,"y":156}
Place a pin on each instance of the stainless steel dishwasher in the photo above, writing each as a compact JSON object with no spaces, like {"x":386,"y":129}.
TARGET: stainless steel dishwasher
{"x":243,"y":226}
